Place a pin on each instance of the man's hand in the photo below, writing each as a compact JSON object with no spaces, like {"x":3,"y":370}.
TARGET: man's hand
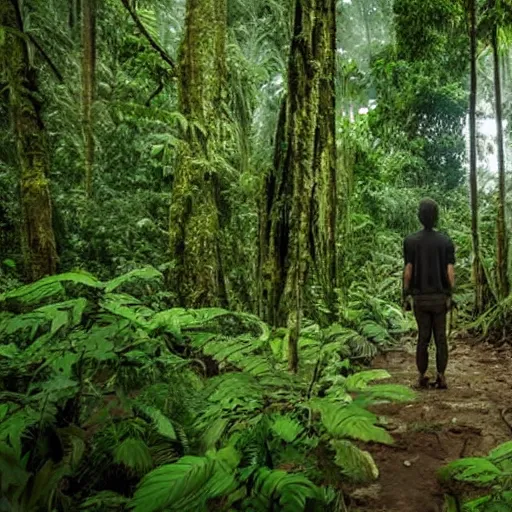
{"x":450,"y":303}
{"x":406,"y":300}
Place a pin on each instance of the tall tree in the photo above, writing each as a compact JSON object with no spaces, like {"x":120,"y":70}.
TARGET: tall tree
{"x":324,"y":165}
{"x":195,"y":220}
{"x":88,"y":80}
{"x":20,"y":79}
{"x":478,"y":271}
{"x":502,"y":237}
{"x":303,"y":158}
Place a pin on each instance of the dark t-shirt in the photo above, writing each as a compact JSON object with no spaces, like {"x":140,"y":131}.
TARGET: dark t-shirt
{"x":430,"y":253}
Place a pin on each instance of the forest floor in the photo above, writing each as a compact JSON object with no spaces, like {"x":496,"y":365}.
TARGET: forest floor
{"x":465,"y":420}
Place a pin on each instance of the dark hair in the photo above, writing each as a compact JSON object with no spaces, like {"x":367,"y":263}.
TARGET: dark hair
{"x":428,"y":213}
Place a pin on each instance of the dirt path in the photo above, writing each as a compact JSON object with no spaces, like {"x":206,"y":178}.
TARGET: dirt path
{"x":441,"y":426}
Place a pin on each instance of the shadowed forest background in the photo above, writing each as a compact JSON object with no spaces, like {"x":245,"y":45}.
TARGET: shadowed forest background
{"x":202,"y":208}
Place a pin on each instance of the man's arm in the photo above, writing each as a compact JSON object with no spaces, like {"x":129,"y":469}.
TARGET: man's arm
{"x":451,"y":276}
{"x":450,"y":260}
{"x":407,"y":277}
{"x":408,"y":261}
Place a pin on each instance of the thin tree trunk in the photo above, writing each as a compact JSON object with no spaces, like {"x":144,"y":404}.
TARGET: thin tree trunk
{"x":478,"y":271}
{"x":502,"y":238}
{"x":195,"y":213}
{"x":38,"y":239}
{"x":88,"y":83}
{"x":325,"y":215}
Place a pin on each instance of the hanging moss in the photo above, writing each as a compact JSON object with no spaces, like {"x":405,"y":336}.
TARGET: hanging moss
{"x":195,"y":230}
{"x":38,"y":237}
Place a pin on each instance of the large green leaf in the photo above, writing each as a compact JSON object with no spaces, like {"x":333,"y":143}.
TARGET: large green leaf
{"x":162,"y":424}
{"x":134,"y":454}
{"x":279,"y":490}
{"x":357,"y":465}
{"x":146,"y":274}
{"x":360,"y":380}
{"x":503,"y":451}
{"x":384,"y":393}
{"x":342,"y":421}
{"x":475,"y":470}
{"x":187,"y":484}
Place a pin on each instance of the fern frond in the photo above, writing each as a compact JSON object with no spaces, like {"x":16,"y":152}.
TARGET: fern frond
{"x":501,"y":453}
{"x":134,"y":454}
{"x":360,"y":380}
{"x":104,"y":500}
{"x":357,"y":465}
{"x":287,"y":428}
{"x":384,"y":393}
{"x":276,"y":487}
{"x":475,"y":470}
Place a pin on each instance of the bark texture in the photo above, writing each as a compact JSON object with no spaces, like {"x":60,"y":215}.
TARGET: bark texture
{"x":195,"y":220}
{"x":324,"y":167}
{"x":39,"y":248}
{"x":296,"y":214}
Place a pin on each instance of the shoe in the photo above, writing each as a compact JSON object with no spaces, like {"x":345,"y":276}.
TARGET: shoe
{"x":441,"y":381}
{"x":423,"y":382}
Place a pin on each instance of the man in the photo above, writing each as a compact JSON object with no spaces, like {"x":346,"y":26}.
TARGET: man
{"x":429,"y":277}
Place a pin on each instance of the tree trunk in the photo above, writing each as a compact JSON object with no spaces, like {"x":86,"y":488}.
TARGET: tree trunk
{"x":323,"y":249}
{"x":39,"y":248}
{"x":291,"y":194}
{"x":195,"y":220}
{"x":88,"y":83}
{"x":479,"y":277}
{"x":502,"y":238}
{"x":273,"y":227}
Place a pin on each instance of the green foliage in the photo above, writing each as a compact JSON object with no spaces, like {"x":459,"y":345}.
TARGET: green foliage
{"x":490,"y":475}
{"x":171,"y":409}
{"x":357,"y":465}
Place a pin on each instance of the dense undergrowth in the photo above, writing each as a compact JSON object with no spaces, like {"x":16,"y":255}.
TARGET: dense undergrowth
{"x":485,"y":482}
{"x":110,"y":401}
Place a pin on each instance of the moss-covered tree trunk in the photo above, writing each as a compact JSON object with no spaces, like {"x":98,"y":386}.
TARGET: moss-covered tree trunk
{"x":88,"y":80}
{"x":325,"y":189}
{"x":302,"y":169}
{"x":20,"y":78}
{"x":502,"y":238}
{"x":195,"y":220}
